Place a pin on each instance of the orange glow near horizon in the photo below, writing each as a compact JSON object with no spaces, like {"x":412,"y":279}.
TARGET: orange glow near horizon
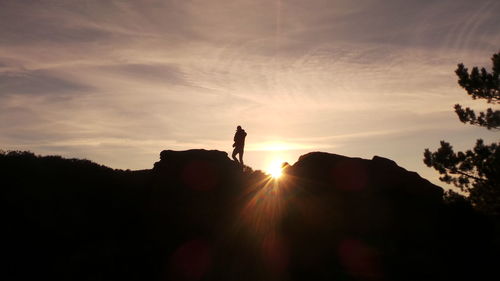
{"x":277,"y":146}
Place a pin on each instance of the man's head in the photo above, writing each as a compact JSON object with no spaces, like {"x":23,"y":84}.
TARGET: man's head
{"x":238,"y":128}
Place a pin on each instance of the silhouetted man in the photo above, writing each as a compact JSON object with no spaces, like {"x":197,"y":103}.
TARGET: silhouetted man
{"x":239,"y":144}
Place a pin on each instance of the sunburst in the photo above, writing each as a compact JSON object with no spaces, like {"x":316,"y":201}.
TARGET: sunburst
{"x":275,"y":169}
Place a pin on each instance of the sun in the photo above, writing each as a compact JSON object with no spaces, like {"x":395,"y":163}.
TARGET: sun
{"x":274,"y":169}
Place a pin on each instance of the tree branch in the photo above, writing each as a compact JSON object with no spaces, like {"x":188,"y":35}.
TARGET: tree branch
{"x":467,"y":175}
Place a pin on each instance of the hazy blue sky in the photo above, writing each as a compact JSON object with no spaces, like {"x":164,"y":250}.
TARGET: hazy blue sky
{"x":116,"y":82}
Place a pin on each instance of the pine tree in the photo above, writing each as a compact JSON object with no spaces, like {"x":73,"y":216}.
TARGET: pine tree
{"x":476,"y":172}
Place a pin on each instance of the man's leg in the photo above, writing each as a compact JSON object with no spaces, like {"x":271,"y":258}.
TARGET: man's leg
{"x":234,"y":154}
{"x":241,"y":157}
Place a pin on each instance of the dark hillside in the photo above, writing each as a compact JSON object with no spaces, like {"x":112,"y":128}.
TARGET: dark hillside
{"x":196,"y":216}
{"x":67,"y":218}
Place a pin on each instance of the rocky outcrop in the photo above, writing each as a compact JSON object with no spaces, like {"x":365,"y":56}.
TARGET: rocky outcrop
{"x":361,"y":175}
{"x":196,"y":169}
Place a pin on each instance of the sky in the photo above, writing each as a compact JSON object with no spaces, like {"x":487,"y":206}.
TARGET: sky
{"x":116,"y":82}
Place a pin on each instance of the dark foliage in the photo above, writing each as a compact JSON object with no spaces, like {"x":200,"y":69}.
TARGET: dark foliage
{"x":476,"y":172}
{"x":480,"y":84}
{"x":197,"y":216}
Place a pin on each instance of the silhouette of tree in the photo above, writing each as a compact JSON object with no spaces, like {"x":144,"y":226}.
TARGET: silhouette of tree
{"x":476,"y":171}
